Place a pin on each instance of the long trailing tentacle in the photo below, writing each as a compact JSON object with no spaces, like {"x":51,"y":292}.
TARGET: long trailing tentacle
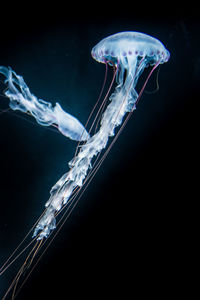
{"x":27,"y":263}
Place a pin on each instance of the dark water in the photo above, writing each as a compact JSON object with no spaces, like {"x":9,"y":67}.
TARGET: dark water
{"x":127,"y":230}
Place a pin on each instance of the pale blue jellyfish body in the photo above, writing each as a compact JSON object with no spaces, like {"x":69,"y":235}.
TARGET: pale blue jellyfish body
{"x":129,"y":53}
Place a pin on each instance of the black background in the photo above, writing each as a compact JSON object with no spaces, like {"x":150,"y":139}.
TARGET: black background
{"x":129,"y":234}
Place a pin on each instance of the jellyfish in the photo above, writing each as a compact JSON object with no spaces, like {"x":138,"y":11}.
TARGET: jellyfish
{"x":129,"y":53}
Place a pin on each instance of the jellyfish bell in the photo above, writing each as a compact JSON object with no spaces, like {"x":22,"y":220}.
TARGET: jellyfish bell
{"x":127,"y":45}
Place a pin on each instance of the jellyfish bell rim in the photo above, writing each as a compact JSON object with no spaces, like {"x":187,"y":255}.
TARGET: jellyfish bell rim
{"x":167,"y":56}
